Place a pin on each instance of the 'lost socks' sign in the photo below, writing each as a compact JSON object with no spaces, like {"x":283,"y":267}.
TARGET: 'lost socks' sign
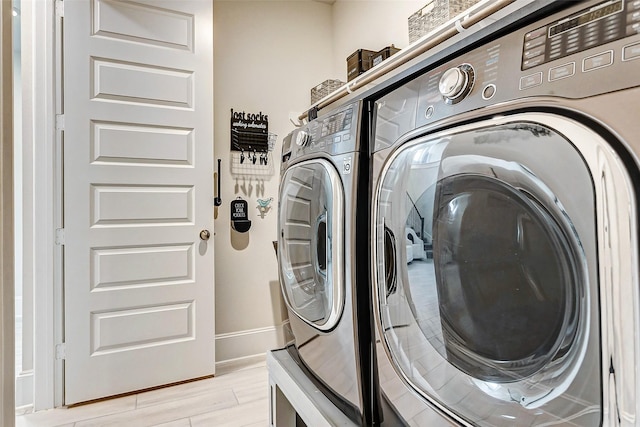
{"x":249,"y":131}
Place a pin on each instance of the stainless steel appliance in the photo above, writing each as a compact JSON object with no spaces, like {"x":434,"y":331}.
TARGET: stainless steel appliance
{"x":323,"y":262}
{"x":514,"y":164}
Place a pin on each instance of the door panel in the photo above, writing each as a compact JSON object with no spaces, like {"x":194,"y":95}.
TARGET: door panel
{"x":504,"y":311}
{"x":311,"y":240}
{"x":138,"y":162}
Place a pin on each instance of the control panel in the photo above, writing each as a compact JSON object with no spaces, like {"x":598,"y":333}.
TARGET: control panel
{"x":591,"y":27}
{"x":333,"y":133}
{"x":587,"y":49}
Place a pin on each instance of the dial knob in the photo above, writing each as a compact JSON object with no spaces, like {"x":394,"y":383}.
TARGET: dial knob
{"x":452,"y":82}
{"x":456,"y":83}
{"x":303,"y":139}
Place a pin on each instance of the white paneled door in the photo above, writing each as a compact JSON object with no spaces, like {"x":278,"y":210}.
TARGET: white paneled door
{"x":138,"y":178}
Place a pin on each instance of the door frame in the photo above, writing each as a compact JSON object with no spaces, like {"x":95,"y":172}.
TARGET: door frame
{"x":41,"y":70}
{"x":7,"y":301}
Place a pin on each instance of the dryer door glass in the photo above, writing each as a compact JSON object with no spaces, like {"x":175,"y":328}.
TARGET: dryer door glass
{"x":492,"y":301}
{"x":505,"y":278}
{"x":310,"y":242}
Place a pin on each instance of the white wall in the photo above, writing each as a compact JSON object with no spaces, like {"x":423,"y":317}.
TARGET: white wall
{"x":369,"y":24}
{"x":267,"y":56}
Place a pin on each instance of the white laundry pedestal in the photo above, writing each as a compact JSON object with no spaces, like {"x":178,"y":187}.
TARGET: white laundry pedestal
{"x":294,"y":397}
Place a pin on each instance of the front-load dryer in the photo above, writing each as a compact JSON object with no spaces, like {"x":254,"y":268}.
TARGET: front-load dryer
{"x":323,"y":258}
{"x":515,"y":167}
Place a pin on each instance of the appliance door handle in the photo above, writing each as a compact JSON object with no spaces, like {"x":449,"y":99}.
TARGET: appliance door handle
{"x":390,"y":267}
{"x":322,"y":243}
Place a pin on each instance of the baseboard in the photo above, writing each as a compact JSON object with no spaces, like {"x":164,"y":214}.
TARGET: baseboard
{"x":24,"y":389}
{"x":236,"y":365}
{"x":245,"y":344}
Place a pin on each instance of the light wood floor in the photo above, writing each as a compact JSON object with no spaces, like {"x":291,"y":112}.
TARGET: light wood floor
{"x":238,"y":396}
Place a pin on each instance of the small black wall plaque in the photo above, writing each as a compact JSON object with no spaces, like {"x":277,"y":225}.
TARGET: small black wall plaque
{"x":239,"y":216}
{"x":239,"y":210}
{"x":249,"y":131}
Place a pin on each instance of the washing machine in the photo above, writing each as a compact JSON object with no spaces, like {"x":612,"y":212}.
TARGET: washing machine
{"x":514,"y":165}
{"x":323,"y":263}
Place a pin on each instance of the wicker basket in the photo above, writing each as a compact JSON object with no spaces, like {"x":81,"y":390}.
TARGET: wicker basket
{"x":324,"y":89}
{"x":434,"y":14}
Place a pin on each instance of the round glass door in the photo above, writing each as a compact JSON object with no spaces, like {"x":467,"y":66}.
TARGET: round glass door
{"x":506,"y":279}
{"x":485,"y":275}
{"x":310,"y":240}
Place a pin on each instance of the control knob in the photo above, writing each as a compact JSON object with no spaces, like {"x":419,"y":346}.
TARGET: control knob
{"x":456,"y":83}
{"x":303,"y":139}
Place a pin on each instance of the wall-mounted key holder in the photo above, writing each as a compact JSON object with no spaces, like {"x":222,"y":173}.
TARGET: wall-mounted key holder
{"x":240,"y":221}
{"x":254,"y":162}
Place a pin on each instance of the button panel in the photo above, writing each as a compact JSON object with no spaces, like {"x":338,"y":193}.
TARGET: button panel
{"x":334,"y":133}
{"x":499,"y":80}
{"x":592,"y":27}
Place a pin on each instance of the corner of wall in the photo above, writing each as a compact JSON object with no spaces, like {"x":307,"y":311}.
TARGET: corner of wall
{"x":236,"y":346}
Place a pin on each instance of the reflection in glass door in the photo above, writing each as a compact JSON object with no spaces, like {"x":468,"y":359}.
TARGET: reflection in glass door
{"x":498,"y":316}
{"x":311,"y":215}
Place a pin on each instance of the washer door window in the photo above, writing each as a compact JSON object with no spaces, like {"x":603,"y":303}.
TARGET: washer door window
{"x":493,"y":314}
{"x":310,"y":242}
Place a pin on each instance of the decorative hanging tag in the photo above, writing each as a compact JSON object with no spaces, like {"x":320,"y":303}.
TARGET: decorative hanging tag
{"x":239,"y":215}
{"x":263,"y":206}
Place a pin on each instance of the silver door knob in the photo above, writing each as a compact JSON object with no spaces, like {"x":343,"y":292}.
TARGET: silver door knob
{"x":205,"y":234}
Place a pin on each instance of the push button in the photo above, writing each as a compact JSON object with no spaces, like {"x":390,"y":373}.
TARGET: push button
{"x":631,"y":52}
{"x":488,"y":91}
{"x":530,"y":81}
{"x":528,"y":54}
{"x":562,"y":71}
{"x":535,"y":42}
{"x":633,"y":29}
{"x":535,"y":34}
{"x":528,"y":63}
{"x":597,"y":61}
{"x":633,"y":17}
